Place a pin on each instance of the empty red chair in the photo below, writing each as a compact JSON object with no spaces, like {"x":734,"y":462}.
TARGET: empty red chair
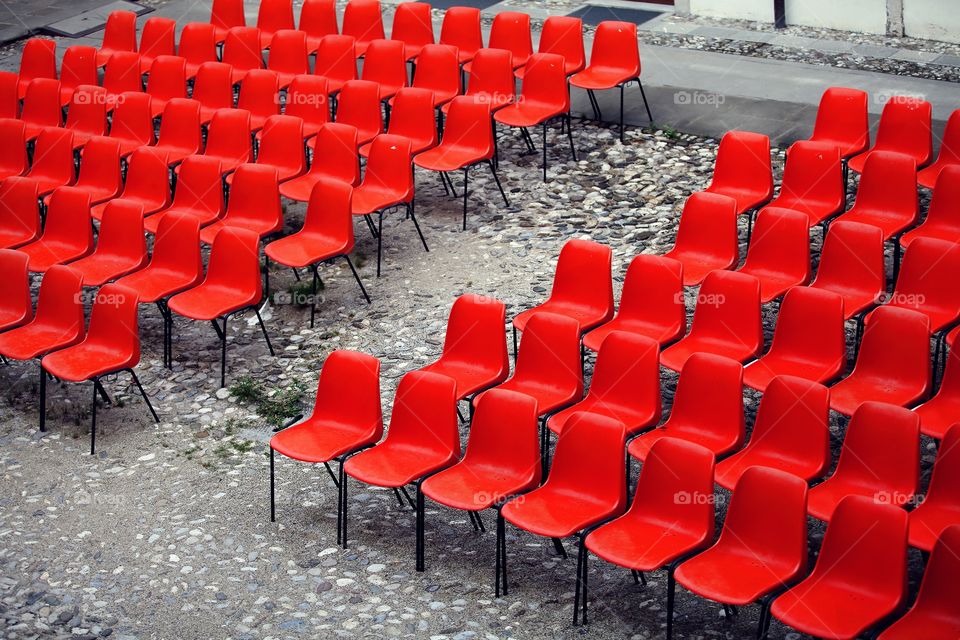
{"x":122,"y":75}
{"x":812,"y":181}
{"x":502,"y":458}
{"x":461,"y":29}
{"x":224,"y":15}
{"x":511,"y":31}
{"x":880,"y":460}
{"x":16,"y":308}
{"x":761,"y":550}
{"x":743,"y":171}
{"x":949,"y":152}
{"x":318,"y":18}
{"x":158,"y":38}
{"x":491,"y":79}
{"x":78,"y":67}
{"x":327,"y":233}
{"x":904,"y":128}
{"x":779,"y":252}
{"x":940,"y":508}
{"x":421,"y":440}
{"x":13,"y":140}
{"x":281,"y":147}
{"x":791,"y":433}
{"x":198,"y":44}
{"x":336,"y":61}
{"x":339,"y":161}
{"x":41,"y":107}
{"x":941,"y":411}
{"x":212,"y":89}
{"x":67,"y":233}
{"x":100,"y":169}
{"x":253,"y":203}
{"x":346,"y":416}
{"x":672,"y":513}
{"x":274,"y":16}
{"x":19,"y":212}
{"x":385,"y":64}
{"x":893,"y":364}
{"x":307,"y":99}
{"x":199,"y":193}
{"x":228,"y":139}
{"x":934,"y":615}
{"x":586,"y":487}
{"x":614,"y":61}
{"x":562,"y":35}
{"x":37,"y":60}
{"x":132,"y":123}
{"x":860,"y":577}
{"x":544,"y":97}
{"x":465,"y":143}
{"x":726,"y":321}
{"x":121,"y":246}
{"x":9,"y":95}
{"x":943,"y":215}
{"x":288,"y":55}
{"x":413,"y":26}
{"x":809,"y":340}
{"x":167,"y":81}
{"x":119,"y":34}
{"x":180,"y":134}
{"x":258,"y":96}
{"x":362,"y":20}
{"x":851,"y":265}
{"x":707,"y":237}
{"x":147,"y":183}
{"x":438,"y":70}
{"x":241,"y":50}
{"x":651,"y":303}
{"x":87,"y":116}
{"x":53,"y":161}
{"x":232,"y":285}
{"x":359,"y":105}
{"x":475,"y":347}
{"x":842,"y":120}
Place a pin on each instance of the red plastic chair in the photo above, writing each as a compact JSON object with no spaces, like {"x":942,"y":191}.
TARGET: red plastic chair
{"x":842,"y":120}
{"x":241,"y":50}
{"x":78,"y":67}
{"x":726,"y":321}
{"x":934,"y":615}
{"x":791,"y":433}
{"x":385,"y":64}
{"x":307,"y":99}
{"x":461,"y":29}
{"x":180,"y":133}
{"x":511,"y":31}
{"x":949,"y":155}
{"x":225,"y":15}
{"x":253,"y":204}
{"x":809,"y":340}
{"x":359,"y":106}
{"x":281,"y":147}
{"x":475,"y":347}
{"x":119,"y":34}
{"x":336,"y":61}
{"x":41,"y":107}
{"x":651,"y":303}
{"x":288,"y":55}
{"x":707,"y":408}
{"x":87,"y":116}
{"x":438,"y":70}
{"x":904,"y":128}
{"x":779,"y":252}
{"x":614,"y":62}
{"x":412,"y":117}
{"x":893,"y":364}
{"x":346,"y":416}
{"x":586,"y":488}
{"x":132,"y":123}
{"x":9,"y":95}
{"x":491,"y":79}
{"x":122,"y":76}
{"x":422,"y":439}
{"x":327,"y":233}
{"x":339,"y":161}
{"x":16,"y":308}
{"x":228,"y":139}
{"x":19,"y":212}
{"x":158,"y":38}
{"x":213,"y":89}
{"x":943,"y":215}
{"x":940,"y":508}
{"x":198,"y":45}
{"x":274,"y":16}
{"x":463,"y":145}
{"x":880,"y":460}
{"x":199,"y":193}
{"x":941,"y":411}
{"x":851,"y":265}
{"x":167,"y":81}
{"x":67,"y":233}
{"x":501,"y":460}
{"x":743,"y":171}
{"x":147,"y":183}
{"x":544,"y":97}
{"x":812,"y":181}
{"x":232,"y":285}
{"x":318,"y":18}
{"x":860,"y":576}
{"x":37,"y":60}
{"x":562,"y":35}
{"x":362,"y":20}
{"x":53,"y":165}
{"x":13,"y":139}
{"x":413,"y":26}
{"x":672,"y":514}
{"x":121,"y":245}
{"x":707,"y":237}
{"x":761,"y":550}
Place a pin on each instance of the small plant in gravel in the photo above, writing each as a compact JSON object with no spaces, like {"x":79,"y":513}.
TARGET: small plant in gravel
{"x":274,"y":407}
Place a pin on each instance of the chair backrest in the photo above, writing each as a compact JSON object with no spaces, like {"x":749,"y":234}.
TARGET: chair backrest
{"x":41,"y":104}
{"x":413,"y":116}
{"x":38,"y":60}
{"x":213,"y":86}
{"x":235,"y":262}
{"x":810,"y":327}
{"x":79,"y":66}
{"x":475,"y":334}
{"x":709,"y":395}
{"x":88,"y":110}
{"x":889,"y":185}
{"x":122,"y":74}
{"x":359,"y":105}
{"x":121,"y":231}
{"x":949,"y":144}
{"x":653,"y":291}
{"x":905,"y":126}
{"x":9,"y":95}
{"x":926,"y":281}
{"x":241,"y":49}
{"x":329,"y":212}
{"x":385,"y":63}
{"x":425,"y":413}
{"x":896,"y":349}
{"x":275,"y":15}
{"x":132,"y":118}
{"x":627,"y":372}
{"x":563,"y":35}
{"x":461,"y":28}
{"x":728,"y":308}
{"x":282,"y":144}
{"x":198,"y":43}
{"x":19,"y":207}
{"x":511,"y":31}
{"x":944,"y":486}
{"x":68,"y":217}
{"x":708,"y":227}
{"x":113,"y":322}
{"x":16,"y":306}
{"x":53,"y":156}
{"x":147,"y":175}
{"x":258,"y":93}
{"x":180,"y":125}
{"x":177,"y":246}
{"x":307,"y":99}
{"x":255,"y":195}
{"x":944,"y":206}
{"x":168,"y":78}
{"x":288,"y":52}
{"x":336,"y":58}
{"x":743,"y":161}
{"x":491,"y":77}
{"x":780,"y":243}
{"x":938,"y":590}
{"x":413,"y":24}
{"x":120,"y":32}
{"x":438,"y":69}
{"x":545,"y":82}
{"x":348,"y":393}
{"x":813,"y":172}
{"x":503,"y":436}
{"x":550,"y":351}
{"x":583,"y":276}
{"x":60,"y":301}
{"x":318,"y":18}
{"x":842,"y":118}
{"x":462,"y":131}
{"x":362,"y":20}
{"x":225,"y":14}
{"x":13,"y":138}
{"x":389,"y":165}
{"x":852,"y":259}
{"x":199,"y":186}
{"x":340,"y":159}
{"x":229,"y":135}
{"x":158,"y":37}
{"x":615,"y":47}
{"x":793,"y":423}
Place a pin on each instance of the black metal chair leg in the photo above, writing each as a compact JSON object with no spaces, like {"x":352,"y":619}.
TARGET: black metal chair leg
{"x":645,"y":103}
{"x":466,"y":179}
{"x":223,"y":349}
{"x":671,"y":595}
{"x":413,"y":217}
{"x":586,"y":557}
{"x":573,"y":149}
{"x":263,"y":328}
{"x":544,"y":151}
{"x":379,"y":240}
{"x":343,"y":502}
{"x":496,"y":179}
{"x":143,"y":393}
{"x":621,"y":113}
{"x":43,"y":399}
{"x":93,"y":420}
{"x":420,"y":529}
{"x":357,"y":277}
{"x":273,"y":509}
{"x":578,"y":587}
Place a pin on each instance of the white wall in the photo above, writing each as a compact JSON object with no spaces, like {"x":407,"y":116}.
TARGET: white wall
{"x":760,"y":10}
{"x":932,"y":19}
{"x":866,"y":16}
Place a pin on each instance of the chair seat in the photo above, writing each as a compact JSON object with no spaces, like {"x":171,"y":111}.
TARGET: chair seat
{"x":391,"y":465}
{"x":746,"y":198}
{"x":128,"y":145}
{"x":587,"y":317}
{"x":938,"y":231}
{"x":928,"y":177}
{"x":824,"y":498}
{"x":675,"y":356}
{"x":774,"y":284}
{"x":939,"y":317}
{"x":855,"y":301}
{"x":85,"y":360}
{"x":554,"y":513}
{"x":448,"y":158}
{"x":369,"y":199}
{"x":320,"y":440}
{"x":30,"y":341}
{"x":661,"y":333}
{"x":416,"y":146}
{"x":149,"y":205}
{"x":207,"y":302}
{"x":642,"y":545}
{"x":719,"y":444}
{"x":305,"y":248}
{"x":889,"y":224}
{"x":728,"y":471}
{"x":924,"y":623}
{"x":847,"y":148}
{"x":472,"y":488}
{"x":12,"y":238}
{"x":173,"y":154}
{"x":600,"y":78}
{"x":259,"y":227}
{"x":299,"y":188}
{"x":857,"y":162}
{"x":732,"y":578}
{"x":758,"y":375}
{"x":10,"y":318}
{"x":938,"y":415}
{"x":203,"y":216}
{"x":527,"y":114}
{"x":632,"y":420}
{"x":469,"y":376}
{"x":817,"y":211}
{"x":548,"y":398}
{"x":696,"y":267}
{"x":153,"y":283}
{"x":928,"y":521}
{"x":828,"y":610}
{"x":44,"y":254}
{"x":47,"y":184}
{"x":100,"y":269}
{"x":850,"y":393}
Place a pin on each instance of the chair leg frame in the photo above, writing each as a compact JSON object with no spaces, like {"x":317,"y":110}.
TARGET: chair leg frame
{"x":222,"y":334}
